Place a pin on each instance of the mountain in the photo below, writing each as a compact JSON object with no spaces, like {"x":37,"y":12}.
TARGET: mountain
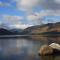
{"x":4,"y":32}
{"x":16,"y":31}
{"x":50,"y":28}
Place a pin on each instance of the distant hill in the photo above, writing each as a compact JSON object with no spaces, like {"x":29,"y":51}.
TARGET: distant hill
{"x":4,"y":32}
{"x":16,"y":31}
{"x":50,"y":28}
{"x":10,"y":32}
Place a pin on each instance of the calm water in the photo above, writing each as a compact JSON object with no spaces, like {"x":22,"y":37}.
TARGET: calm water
{"x":25,"y":49}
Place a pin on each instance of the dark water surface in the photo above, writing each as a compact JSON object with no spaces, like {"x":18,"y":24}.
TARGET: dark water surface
{"x":25,"y":49}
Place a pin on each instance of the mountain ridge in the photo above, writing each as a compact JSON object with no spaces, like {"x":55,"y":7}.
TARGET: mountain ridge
{"x":4,"y":31}
{"x":45,"y":28}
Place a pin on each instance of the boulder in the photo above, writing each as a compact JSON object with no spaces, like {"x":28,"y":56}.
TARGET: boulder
{"x":53,"y":48}
{"x":45,"y":50}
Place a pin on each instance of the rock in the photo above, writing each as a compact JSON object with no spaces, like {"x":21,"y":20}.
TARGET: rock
{"x":45,"y":50}
{"x":55,"y":46}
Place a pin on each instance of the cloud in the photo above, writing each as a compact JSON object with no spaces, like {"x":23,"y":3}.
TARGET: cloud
{"x":43,"y":13}
{"x":51,"y":4}
{"x":4,"y":4}
{"x":33,"y":17}
{"x":39,"y":17}
{"x":57,"y":1}
{"x":26,"y":5}
{"x":48,"y":13}
{"x":12,"y":19}
{"x":8,"y":21}
{"x":21,"y":26}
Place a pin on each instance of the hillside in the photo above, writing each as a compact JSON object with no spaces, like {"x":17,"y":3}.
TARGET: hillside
{"x":50,"y":28}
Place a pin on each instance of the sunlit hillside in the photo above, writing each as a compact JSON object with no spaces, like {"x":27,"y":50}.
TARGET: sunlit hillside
{"x":46,"y":28}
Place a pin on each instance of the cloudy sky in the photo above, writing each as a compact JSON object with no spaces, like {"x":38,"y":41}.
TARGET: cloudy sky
{"x":25,"y":13}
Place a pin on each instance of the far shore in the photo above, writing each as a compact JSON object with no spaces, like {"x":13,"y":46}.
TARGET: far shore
{"x":31,"y":35}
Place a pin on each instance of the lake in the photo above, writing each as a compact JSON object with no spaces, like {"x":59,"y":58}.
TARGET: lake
{"x":26,"y":48}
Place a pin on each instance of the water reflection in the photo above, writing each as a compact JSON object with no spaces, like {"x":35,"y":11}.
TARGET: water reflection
{"x":25,"y":49}
{"x":46,"y":40}
{"x":50,"y":57}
